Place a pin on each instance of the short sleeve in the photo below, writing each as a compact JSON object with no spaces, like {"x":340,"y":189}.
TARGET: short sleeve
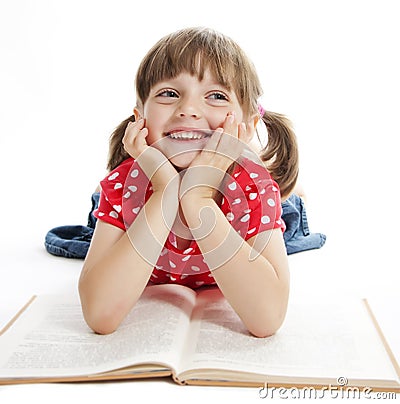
{"x":108,"y":213}
{"x":123,"y":193}
{"x":251,"y":200}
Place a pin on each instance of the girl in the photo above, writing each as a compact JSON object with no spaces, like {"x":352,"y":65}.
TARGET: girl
{"x":185,"y":200}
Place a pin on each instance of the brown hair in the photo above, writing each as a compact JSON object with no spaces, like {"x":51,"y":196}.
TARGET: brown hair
{"x":194,"y":50}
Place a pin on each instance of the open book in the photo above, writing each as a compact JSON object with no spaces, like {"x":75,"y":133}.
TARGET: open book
{"x":197,"y":338}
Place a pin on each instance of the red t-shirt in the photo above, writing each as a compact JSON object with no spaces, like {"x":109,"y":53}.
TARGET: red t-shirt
{"x":251,"y":203}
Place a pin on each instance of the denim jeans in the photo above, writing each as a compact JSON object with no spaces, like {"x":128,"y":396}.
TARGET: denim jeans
{"x":297,"y":235}
{"x":73,"y":241}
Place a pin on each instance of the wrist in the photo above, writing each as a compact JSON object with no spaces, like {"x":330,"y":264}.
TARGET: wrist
{"x":158,"y":169}
{"x":196,"y":194}
{"x":166,"y":188}
{"x":199,"y":214}
{"x":199,"y":183}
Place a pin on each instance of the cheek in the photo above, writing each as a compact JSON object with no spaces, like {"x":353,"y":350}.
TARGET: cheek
{"x":154,"y":124}
{"x":153,"y":134}
{"x":220,"y":121}
{"x":151,"y":138}
{"x":239,"y":115}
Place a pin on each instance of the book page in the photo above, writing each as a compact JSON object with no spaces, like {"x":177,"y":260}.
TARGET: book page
{"x":52,"y":339}
{"x":316,"y":340}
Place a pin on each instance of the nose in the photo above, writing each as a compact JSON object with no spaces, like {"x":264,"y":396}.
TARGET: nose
{"x":183,"y":114}
{"x":188,"y":108}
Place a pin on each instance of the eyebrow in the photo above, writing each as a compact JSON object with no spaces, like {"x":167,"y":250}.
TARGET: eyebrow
{"x":171,"y":83}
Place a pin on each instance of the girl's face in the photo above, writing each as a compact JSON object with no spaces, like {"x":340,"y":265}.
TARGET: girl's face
{"x":186,"y":104}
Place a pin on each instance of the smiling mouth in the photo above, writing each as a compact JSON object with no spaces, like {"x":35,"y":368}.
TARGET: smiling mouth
{"x":197,"y":134}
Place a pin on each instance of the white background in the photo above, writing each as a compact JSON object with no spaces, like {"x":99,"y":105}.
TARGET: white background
{"x":67,"y":79}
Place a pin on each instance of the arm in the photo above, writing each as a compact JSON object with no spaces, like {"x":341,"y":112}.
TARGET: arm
{"x":119,"y":264}
{"x":257,"y":289}
{"x":256,"y":285}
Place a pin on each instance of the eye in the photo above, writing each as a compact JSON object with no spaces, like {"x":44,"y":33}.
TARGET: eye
{"x":218,"y":96}
{"x":168,"y":93}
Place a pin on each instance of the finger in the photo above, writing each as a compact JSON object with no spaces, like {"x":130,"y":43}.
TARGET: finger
{"x":230,"y":125}
{"x":134,"y":140}
{"x":231,"y":146}
{"x":132,"y":129}
{"x":214,"y":140}
{"x":140,"y":139}
{"x":242,"y":132}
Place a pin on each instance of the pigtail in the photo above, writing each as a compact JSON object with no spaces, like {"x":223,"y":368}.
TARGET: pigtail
{"x":281,"y":152}
{"x":116,"y":152}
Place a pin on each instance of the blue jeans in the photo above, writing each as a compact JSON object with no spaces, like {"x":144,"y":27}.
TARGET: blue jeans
{"x":297,"y":235}
{"x":73,"y":241}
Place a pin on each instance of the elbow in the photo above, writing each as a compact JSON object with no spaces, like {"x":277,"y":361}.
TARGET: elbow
{"x":268,"y":323}
{"x":265,"y":329}
{"x":100,"y":324}
{"x":102,"y":319}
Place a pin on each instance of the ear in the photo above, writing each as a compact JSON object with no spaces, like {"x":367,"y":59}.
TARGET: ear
{"x":251,"y":125}
{"x":253,"y":121}
{"x":137,"y":113}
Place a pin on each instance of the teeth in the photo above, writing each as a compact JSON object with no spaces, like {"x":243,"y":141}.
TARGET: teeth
{"x":188,"y":135}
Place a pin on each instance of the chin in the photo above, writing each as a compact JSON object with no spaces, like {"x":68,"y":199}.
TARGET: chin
{"x":184,"y":160}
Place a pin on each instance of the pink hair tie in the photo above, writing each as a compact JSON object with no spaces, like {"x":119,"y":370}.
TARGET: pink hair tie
{"x":261,"y":110}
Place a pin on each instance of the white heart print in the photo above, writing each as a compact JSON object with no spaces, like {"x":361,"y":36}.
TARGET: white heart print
{"x":245,"y":218}
{"x":113,"y":176}
{"x":117,"y":208}
{"x":265,"y":219}
{"x":252,"y":230}
{"x":230,"y":216}
{"x":232,"y":186}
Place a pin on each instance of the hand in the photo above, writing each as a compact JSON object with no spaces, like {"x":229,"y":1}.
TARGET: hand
{"x":134,"y":140}
{"x":155,"y":165}
{"x":206,"y":172}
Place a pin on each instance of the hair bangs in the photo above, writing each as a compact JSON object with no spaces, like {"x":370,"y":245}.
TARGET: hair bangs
{"x":192,"y":51}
